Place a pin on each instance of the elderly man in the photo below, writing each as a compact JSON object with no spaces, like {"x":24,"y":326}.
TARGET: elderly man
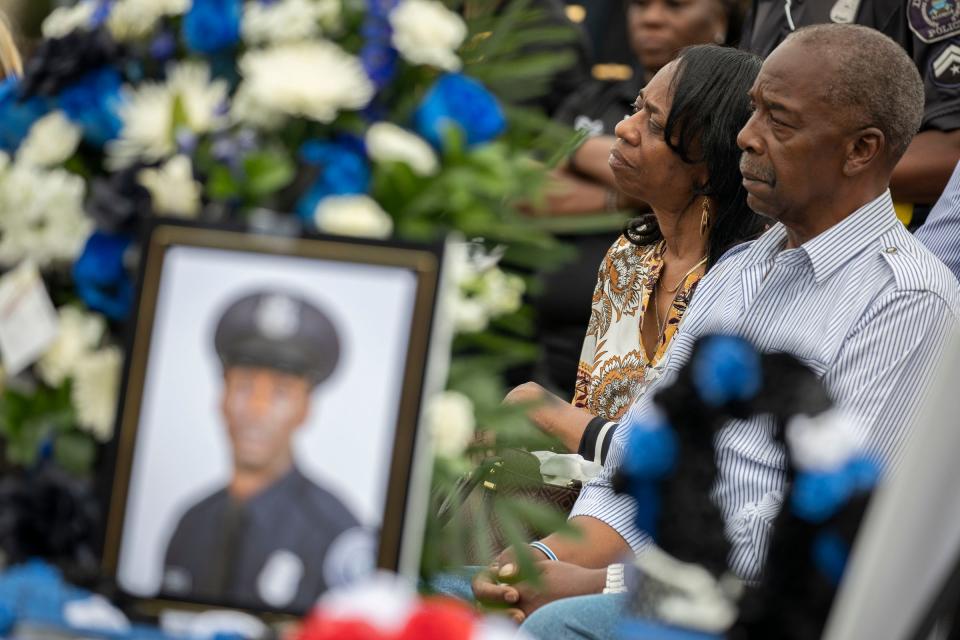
{"x":837,"y":281}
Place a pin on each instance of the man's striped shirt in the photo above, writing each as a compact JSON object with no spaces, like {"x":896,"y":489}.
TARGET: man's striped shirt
{"x":941,"y":232}
{"x":864,"y":304}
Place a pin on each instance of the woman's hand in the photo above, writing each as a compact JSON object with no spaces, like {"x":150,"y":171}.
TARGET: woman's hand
{"x":551,"y":414}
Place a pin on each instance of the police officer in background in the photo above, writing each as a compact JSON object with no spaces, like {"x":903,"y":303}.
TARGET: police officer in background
{"x":271,"y":538}
{"x":929,"y":31}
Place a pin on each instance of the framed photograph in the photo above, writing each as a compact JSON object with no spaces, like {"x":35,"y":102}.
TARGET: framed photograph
{"x":268,"y":423}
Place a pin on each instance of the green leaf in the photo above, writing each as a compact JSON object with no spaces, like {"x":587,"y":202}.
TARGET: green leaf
{"x":221,"y":185}
{"x":267,"y":172}
{"x":75,"y":452}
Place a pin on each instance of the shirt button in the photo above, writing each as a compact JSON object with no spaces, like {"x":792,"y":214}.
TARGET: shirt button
{"x":891,"y":249}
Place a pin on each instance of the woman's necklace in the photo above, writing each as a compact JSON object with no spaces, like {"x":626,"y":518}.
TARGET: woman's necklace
{"x":686,"y":275}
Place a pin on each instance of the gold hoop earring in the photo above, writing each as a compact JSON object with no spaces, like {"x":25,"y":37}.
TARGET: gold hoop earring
{"x":705,"y":217}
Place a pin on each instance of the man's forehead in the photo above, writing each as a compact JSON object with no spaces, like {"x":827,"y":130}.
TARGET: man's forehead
{"x":792,"y":73}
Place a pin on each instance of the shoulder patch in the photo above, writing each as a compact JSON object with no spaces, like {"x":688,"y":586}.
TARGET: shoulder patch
{"x":945,"y":65}
{"x":933,"y":20}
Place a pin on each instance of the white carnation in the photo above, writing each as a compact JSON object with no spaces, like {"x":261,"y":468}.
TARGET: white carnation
{"x":78,"y":333}
{"x":501,"y":293}
{"x":426,"y":32}
{"x":136,"y":19}
{"x":355,"y":215}
{"x":387,"y":142}
{"x":824,"y":442}
{"x":450,"y":420}
{"x":172,"y":188}
{"x":469,"y":315}
{"x":41,"y":214}
{"x":64,"y":20}
{"x":288,"y":20}
{"x":148,"y":131}
{"x":51,"y":141}
{"x":315,"y":80}
{"x":94,"y":392}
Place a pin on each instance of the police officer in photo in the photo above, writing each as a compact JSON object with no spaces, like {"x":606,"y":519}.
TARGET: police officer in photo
{"x":929,"y":31}
{"x":271,"y":538}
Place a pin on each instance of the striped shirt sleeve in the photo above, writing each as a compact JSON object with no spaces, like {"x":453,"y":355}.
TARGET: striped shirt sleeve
{"x":941,"y":232}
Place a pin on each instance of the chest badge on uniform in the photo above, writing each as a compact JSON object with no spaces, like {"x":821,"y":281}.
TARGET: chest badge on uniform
{"x":280,"y":578}
{"x":933,"y":20}
{"x":946,"y":66}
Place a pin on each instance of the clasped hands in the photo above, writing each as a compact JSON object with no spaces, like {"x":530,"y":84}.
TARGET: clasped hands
{"x":501,"y":588}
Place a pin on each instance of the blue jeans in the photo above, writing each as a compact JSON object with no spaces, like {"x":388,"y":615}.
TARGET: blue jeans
{"x":594,"y":617}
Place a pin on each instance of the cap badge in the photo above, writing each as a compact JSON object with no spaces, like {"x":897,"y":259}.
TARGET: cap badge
{"x":278,"y":317}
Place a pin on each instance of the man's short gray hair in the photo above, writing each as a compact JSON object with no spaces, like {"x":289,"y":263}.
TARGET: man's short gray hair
{"x":873,"y":79}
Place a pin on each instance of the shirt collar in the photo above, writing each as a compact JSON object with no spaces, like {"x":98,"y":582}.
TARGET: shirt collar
{"x":832,"y":249}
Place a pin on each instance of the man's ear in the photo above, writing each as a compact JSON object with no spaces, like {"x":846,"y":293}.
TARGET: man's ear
{"x":864,"y":149}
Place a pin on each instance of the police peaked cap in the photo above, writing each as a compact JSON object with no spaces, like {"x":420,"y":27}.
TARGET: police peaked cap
{"x":278,"y":331}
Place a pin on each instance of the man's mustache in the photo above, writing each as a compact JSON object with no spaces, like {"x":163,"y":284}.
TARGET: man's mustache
{"x":753,"y":170}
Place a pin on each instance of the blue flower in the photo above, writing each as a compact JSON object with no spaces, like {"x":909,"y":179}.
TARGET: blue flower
{"x":16,"y":117}
{"x":377,"y":55}
{"x":817,"y":495}
{"x":101,"y":279}
{"x":458,"y":101}
{"x":212,"y":25}
{"x":726,"y":369}
{"x":93,"y":102}
{"x":830,"y":554}
{"x":343,"y":167}
{"x":651,"y":450}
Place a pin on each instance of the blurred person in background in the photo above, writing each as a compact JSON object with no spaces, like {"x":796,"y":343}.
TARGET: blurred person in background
{"x":658,"y":30}
{"x":929,"y":31}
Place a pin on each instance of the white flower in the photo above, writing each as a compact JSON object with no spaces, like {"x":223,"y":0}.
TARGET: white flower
{"x":469,"y":315}
{"x":451,"y":423}
{"x":64,"y":20}
{"x":94,"y":392}
{"x":314,"y":80}
{"x":78,"y":333}
{"x":136,"y":19}
{"x":387,"y":142}
{"x":426,"y":32}
{"x":288,"y":20}
{"x":356,"y":215}
{"x":172,"y":188}
{"x":501,"y":293}
{"x":41,"y":214}
{"x":824,"y":442}
{"x":51,"y":141}
{"x":148,"y":112}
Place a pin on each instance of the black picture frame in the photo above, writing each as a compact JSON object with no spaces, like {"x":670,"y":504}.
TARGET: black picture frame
{"x":408,"y":484}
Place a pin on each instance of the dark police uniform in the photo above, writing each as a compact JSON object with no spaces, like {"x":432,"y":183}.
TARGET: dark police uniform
{"x":929,"y":31}
{"x":274,"y":550}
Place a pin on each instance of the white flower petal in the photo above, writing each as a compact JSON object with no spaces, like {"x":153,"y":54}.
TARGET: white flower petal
{"x":172,"y":188}
{"x":449,"y":417}
{"x":314,"y":80}
{"x":78,"y":333}
{"x":386,"y":142}
{"x":94,"y":392}
{"x":51,"y":141}
{"x":426,"y":32}
{"x":356,"y":215}
{"x":288,"y":20}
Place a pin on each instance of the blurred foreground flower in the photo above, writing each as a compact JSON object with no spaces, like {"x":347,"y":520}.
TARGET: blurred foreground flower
{"x":78,"y":334}
{"x":426,"y":32}
{"x":462,"y":103}
{"x":450,"y":420}
{"x":172,"y":188}
{"x":357,"y":215}
{"x":94,"y":392}
{"x":387,"y":142}
{"x":41,"y":214}
{"x":386,"y":607}
{"x":319,"y":80}
{"x":51,"y":141}
{"x":288,"y":20}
